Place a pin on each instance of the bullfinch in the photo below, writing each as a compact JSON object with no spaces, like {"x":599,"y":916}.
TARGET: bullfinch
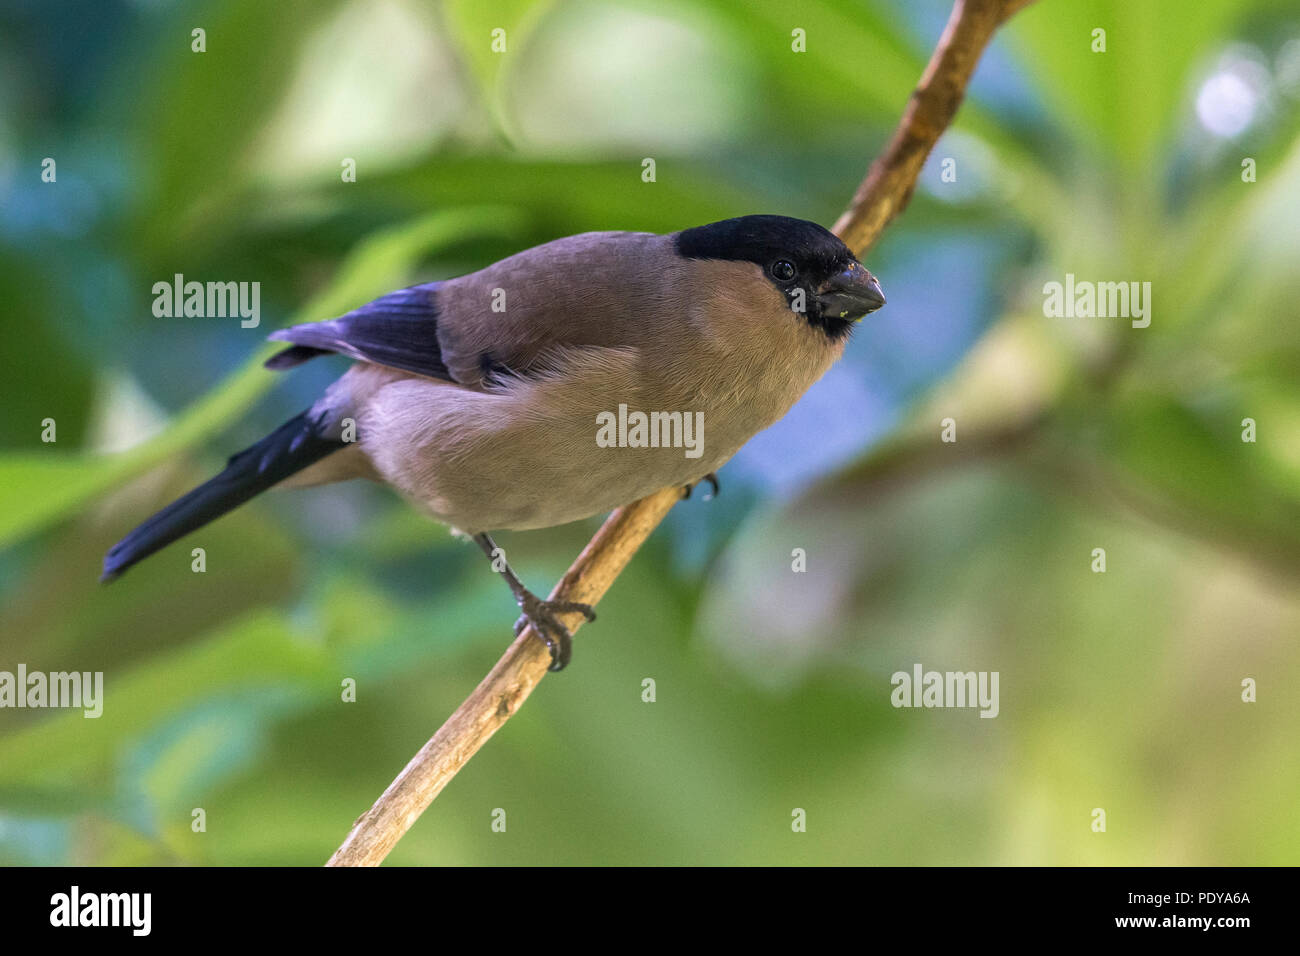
{"x":556,"y":384}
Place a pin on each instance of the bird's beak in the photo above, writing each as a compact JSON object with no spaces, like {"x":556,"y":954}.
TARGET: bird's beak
{"x":851,"y":294}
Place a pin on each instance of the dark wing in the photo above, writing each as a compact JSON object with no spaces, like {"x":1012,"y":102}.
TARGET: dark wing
{"x":399,"y":330}
{"x":298,"y":443}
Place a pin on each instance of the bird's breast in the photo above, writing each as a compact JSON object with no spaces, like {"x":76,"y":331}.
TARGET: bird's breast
{"x":601,"y":427}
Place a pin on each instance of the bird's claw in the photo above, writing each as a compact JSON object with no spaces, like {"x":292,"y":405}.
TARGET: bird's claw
{"x":711,"y":478}
{"x":542,"y":615}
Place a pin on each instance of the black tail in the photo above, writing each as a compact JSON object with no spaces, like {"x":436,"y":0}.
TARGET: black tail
{"x":289,"y":449}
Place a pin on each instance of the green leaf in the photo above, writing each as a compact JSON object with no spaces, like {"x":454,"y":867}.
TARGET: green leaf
{"x":1127,"y":101}
{"x":489,"y":53}
{"x":37,"y":488}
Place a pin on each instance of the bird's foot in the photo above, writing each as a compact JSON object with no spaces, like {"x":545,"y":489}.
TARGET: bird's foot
{"x":543,"y":616}
{"x":711,"y":478}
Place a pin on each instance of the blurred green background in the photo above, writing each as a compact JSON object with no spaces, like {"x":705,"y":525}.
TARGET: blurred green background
{"x":1119,"y":690}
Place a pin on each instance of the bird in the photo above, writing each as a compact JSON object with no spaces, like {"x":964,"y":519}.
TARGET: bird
{"x":558,"y":383}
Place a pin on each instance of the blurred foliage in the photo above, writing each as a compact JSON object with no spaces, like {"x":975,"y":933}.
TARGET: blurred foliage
{"x":1119,"y":690}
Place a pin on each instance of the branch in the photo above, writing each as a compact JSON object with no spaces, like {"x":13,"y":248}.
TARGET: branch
{"x":503,"y":690}
{"x":933,"y":104}
{"x":881,"y":197}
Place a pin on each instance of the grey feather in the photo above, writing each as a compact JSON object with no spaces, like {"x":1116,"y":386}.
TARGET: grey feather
{"x":399,"y":330}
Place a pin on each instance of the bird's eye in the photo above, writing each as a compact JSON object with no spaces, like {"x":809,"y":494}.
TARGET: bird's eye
{"x":783,"y":270}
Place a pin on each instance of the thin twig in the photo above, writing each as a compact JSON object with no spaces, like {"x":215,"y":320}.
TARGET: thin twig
{"x":888,"y":186}
{"x":501,"y":692}
{"x":882,"y":196}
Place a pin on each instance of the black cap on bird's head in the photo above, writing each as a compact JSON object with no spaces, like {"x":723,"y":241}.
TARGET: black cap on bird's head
{"x":816,"y":272}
